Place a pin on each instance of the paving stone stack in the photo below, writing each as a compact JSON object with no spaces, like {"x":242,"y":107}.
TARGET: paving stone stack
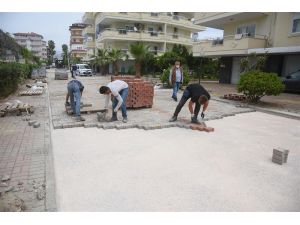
{"x":61,"y":74}
{"x":280,"y":155}
{"x":140,"y":93}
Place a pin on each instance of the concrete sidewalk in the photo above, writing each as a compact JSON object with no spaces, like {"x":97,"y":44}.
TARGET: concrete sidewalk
{"x":24,"y":156}
{"x":178,"y":169}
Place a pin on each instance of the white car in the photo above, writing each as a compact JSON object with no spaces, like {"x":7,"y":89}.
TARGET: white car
{"x":83,"y":70}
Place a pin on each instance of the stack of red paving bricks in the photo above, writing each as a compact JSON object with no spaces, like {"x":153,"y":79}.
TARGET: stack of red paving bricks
{"x":140,"y":92}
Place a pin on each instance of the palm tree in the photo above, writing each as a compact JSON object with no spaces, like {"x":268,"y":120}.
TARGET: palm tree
{"x":114,"y":55}
{"x":139,"y":52}
{"x":102,"y":59}
{"x":65,"y":54}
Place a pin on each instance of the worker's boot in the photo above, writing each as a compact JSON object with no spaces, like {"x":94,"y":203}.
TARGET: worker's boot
{"x":114,"y":117}
{"x":195,"y":120}
{"x":173,"y":119}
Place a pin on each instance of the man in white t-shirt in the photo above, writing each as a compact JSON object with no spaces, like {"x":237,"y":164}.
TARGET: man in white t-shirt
{"x":119,"y":90}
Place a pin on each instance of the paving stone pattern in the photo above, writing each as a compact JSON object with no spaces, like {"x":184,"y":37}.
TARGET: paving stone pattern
{"x":23,"y":152}
{"x":161,"y":111}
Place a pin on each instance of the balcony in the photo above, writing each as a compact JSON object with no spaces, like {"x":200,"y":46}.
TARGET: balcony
{"x":229,"y":45}
{"x":218,"y":19}
{"x":89,"y":30}
{"x":109,"y":17}
{"x":88,"y":17}
{"x":89,"y":44}
{"x":123,"y":34}
{"x":179,"y":38}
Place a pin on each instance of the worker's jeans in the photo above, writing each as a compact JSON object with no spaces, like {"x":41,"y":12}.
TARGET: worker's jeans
{"x":75,"y":96}
{"x":176,"y":86}
{"x":123,"y":93}
{"x":185,"y":96}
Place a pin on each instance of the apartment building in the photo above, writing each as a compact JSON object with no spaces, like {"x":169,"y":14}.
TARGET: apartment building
{"x":159,"y":30}
{"x":77,"y":49}
{"x":33,"y":42}
{"x":274,"y":34}
{"x":88,"y":34}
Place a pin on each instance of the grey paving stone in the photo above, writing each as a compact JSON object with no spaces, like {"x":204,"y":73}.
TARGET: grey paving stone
{"x":3,"y":185}
{"x":100,"y":126}
{"x":36,"y":125}
{"x":280,"y":162}
{"x":31,"y":122}
{"x":71,"y":125}
{"x":5,"y":178}
{"x":108,"y":126}
{"x":87,"y":125}
{"x":58,"y":126}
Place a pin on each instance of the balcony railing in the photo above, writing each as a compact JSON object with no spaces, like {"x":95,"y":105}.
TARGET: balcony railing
{"x":111,"y":33}
{"x":229,"y":45}
{"x":148,"y":16}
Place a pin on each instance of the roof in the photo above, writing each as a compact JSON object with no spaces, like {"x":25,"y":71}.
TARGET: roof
{"x":32,"y":34}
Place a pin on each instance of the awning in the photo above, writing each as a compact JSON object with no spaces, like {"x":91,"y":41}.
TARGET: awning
{"x":290,"y":49}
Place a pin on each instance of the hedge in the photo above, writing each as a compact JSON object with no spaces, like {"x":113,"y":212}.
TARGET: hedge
{"x":256,"y":84}
{"x":12,"y":74}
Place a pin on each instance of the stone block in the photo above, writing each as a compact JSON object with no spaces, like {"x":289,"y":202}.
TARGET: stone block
{"x":5,"y":178}
{"x":58,"y":126}
{"x":101,"y":116}
{"x":274,"y":160}
{"x":100,"y":126}
{"x":87,"y":125}
{"x":31,"y":122}
{"x":36,"y":125}
{"x":108,"y":126}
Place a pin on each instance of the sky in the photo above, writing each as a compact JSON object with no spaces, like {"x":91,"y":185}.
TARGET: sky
{"x":55,"y":26}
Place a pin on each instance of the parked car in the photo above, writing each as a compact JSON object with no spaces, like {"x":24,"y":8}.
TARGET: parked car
{"x":292,"y":82}
{"x":47,"y":67}
{"x":83,"y":70}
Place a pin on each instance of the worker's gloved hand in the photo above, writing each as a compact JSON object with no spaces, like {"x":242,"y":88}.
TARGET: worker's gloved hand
{"x":202,"y":115}
{"x":115,"y":110}
{"x":67,"y":104}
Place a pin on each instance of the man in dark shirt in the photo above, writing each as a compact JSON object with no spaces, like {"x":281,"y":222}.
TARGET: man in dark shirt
{"x":198,"y":96}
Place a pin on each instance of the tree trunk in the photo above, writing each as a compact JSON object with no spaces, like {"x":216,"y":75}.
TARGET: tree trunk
{"x":116,"y":69}
{"x":138,"y":70}
{"x":102,"y":69}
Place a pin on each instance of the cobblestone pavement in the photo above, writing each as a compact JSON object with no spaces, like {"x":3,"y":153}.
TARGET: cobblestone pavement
{"x":159,"y":114}
{"x":24,"y":152}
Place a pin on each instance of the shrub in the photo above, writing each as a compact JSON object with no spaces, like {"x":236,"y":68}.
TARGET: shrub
{"x":165,"y":77}
{"x":12,"y":74}
{"x":256,"y":84}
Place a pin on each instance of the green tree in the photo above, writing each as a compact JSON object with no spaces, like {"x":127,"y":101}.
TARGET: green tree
{"x":27,"y":55}
{"x":51,"y":51}
{"x":113,"y":56}
{"x":65,"y":54}
{"x":139,"y":52}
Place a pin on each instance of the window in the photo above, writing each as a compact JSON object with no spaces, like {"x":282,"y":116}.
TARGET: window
{"x":296,"y":23}
{"x":296,"y":26}
{"x":246,"y":30}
